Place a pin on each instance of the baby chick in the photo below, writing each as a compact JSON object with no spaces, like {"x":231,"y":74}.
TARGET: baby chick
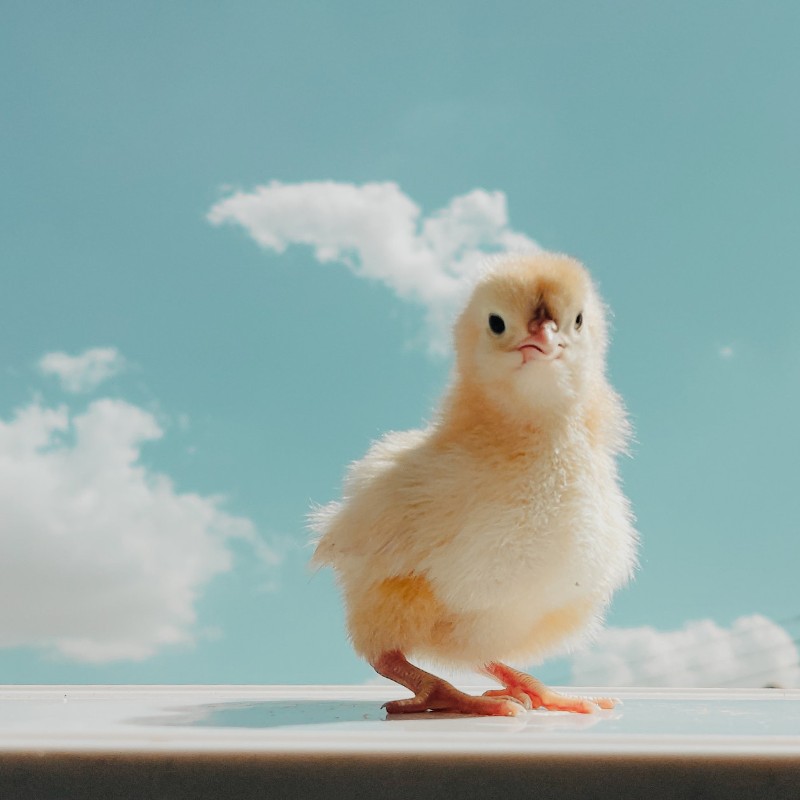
{"x":500,"y":531}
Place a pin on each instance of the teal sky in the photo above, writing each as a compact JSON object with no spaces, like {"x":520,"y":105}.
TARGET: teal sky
{"x":657,"y":142}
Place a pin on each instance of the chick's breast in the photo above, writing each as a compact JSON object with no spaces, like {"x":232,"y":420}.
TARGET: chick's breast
{"x":538,"y":532}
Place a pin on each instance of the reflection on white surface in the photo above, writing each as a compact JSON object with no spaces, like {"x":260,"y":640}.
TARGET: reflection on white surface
{"x":299,"y":719}
{"x":361,"y":716}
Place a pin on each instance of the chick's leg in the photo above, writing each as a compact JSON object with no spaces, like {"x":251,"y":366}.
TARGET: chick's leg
{"x":522,"y":686}
{"x":435,"y":694}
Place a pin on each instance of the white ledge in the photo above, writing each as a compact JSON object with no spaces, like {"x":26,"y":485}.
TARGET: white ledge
{"x":317,"y":741}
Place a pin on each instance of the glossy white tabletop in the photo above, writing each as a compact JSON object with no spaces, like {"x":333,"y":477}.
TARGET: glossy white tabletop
{"x":348,"y":719}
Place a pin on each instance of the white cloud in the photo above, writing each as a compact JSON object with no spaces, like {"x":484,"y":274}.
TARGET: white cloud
{"x":84,"y":372}
{"x":754,"y":651}
{"x":726,"y":352}
{"x":379,"y":233}
{"x":101,"y":558}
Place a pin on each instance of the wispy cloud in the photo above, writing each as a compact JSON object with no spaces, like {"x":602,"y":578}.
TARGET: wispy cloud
{"x":726,"y":352}
{"x":754,"y":651}
{"x":84,"y":372}
{"x":102,"y":558}
{"x":380,"y":233}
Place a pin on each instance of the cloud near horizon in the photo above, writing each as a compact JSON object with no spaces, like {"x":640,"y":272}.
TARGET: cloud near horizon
{"x":380,"y":233}
{"x":84,"y":372}
{"x":101,"y":558}
{"x":753,"y":652}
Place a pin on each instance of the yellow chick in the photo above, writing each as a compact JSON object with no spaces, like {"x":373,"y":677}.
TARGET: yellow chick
{"x":499,"y":532}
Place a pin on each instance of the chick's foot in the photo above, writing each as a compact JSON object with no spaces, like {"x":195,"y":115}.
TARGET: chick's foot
{"x":532,"y":692}
{"x":435,"y":694}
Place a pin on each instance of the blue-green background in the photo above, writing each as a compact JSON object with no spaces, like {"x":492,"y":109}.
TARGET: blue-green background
{"x":658,"y":142}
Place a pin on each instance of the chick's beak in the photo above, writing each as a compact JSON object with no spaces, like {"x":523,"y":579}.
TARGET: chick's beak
{"x":543,"y":343}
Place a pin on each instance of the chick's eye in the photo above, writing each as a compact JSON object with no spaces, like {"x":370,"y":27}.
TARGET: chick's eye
{"x":496,"y":323}
{"x":579,"y":321}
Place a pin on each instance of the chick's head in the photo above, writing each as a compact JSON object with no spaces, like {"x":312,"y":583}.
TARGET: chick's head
{"x":533,"y":334}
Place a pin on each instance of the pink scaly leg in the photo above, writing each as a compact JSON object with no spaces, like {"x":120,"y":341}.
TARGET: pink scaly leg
{"x":533,"y":693}
{"x":435,"y":694}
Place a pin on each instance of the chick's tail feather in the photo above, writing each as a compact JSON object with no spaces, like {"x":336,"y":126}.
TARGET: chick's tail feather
{"x":320,"y":520}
